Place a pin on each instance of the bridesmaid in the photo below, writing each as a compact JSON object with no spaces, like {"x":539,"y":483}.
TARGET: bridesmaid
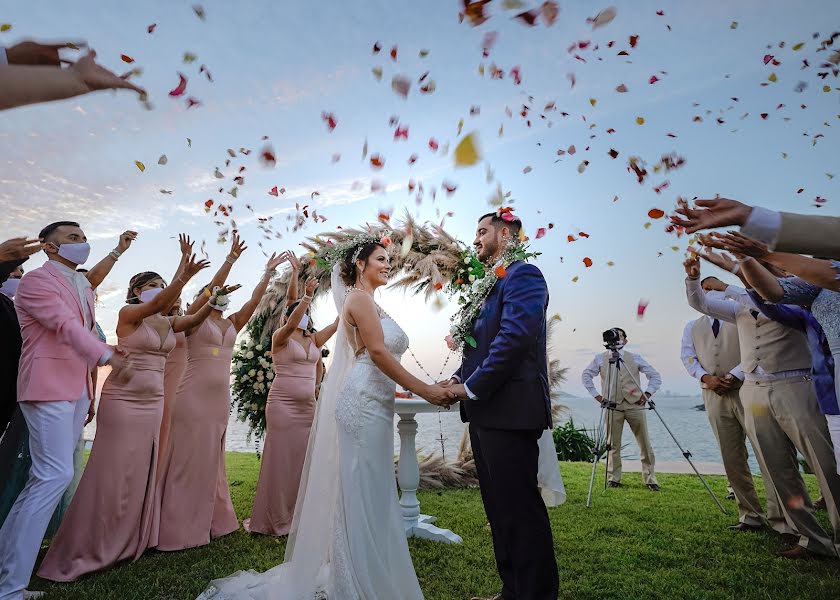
{"x":113,"y":515}
{"x":195,"y":497}
{"x":289,"y":412}
{"x":173,"y":372}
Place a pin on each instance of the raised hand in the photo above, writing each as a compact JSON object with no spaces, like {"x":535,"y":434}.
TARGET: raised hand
{"x":275,"y":261}
{"x":228,"y":289}
{"x":716,"y":212}
{"x":294,"y":261}
{"x":724,"y":261}
{"x":191,"y":267}
{"x":741,"y":245}
{"x":19,"y":248}
{"x":186,"y":244}
{"x":692,"y":267}
{"x":237,"y":247}
{"x":95,"y":77}
{"x":34,"y":53}
{"x":125,"y":240}
{"x":310,"y":286}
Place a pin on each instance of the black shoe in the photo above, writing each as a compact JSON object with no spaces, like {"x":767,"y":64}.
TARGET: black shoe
{"x":790,"y":539}
{"x":614,"y":484}
{"x":730,"y":496}
{"x":745,"y":527}
{"x":820,"y":504}
{"x":653,"y":487}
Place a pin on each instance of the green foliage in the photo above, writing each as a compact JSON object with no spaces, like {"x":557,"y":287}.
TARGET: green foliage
{"x":573,"y":444}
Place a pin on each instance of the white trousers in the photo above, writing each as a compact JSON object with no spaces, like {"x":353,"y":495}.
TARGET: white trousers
{"x":834,"y":432}
{"x":54,"y":429}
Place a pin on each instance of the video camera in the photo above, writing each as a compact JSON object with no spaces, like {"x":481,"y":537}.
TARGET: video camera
{"x":613,"y":338}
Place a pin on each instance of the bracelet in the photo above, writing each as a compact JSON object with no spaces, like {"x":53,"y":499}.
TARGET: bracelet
{"x":229,"y":261}
{"x":181,"y":280}
{"x":307,"y":298}
{"x":115,"y":255}
{"x":736,"y":268}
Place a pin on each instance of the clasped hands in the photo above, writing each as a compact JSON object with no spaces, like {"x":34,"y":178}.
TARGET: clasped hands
{"x":719,"y":385}
{"x":445,"y":393}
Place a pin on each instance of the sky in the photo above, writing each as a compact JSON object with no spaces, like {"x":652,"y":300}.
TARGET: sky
{"x":276,"y":66}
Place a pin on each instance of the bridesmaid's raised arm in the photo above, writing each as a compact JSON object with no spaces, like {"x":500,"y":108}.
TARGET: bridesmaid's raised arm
{"x":281,"y":337}
{"x":135,"y":313}
{"x":97,"y":274}
{"x":292,"y":291}
{"x":244,"y":314}
{"x":323,"y":336}
{"x":237,"y":247}
{"x":188,"y":322}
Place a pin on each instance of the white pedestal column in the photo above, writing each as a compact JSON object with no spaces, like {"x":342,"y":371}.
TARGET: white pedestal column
{"x":408,"y":476}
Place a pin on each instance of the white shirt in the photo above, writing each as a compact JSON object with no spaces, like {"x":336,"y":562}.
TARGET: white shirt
{"x":688,"y":355}
{"x":4,"y":60}
{"x":728,"y":311}
{"x":594,"y":368}
{"x":764,"y":225}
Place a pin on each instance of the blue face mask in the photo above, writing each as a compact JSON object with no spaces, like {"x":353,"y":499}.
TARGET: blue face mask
{"x":77,"y":253}
{"x":9,"y":287}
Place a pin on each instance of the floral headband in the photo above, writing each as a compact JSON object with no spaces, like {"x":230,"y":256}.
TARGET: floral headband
{"x":336,"y":252}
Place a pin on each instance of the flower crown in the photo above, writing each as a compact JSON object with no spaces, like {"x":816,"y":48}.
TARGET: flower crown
{"x":337,"y":252}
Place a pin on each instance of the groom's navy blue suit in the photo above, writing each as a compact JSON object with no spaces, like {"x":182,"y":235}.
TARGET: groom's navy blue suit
{"x":507,"y":373}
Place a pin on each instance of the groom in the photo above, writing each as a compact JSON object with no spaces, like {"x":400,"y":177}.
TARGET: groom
{"x":503,"y":387}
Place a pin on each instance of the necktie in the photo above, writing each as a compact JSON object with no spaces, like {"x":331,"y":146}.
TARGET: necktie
{"x":716,"y":327}
{"x":754,"y":314}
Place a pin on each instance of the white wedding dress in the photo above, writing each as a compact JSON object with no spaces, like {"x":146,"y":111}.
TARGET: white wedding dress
{"x":347,"y":540}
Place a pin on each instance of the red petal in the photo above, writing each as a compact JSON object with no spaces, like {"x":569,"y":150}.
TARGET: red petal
{"x":151,"y":27}
{"x":181,"y":87}
{"x":126,"y":58}
{"x":540,"y":233}
{"x":587,"y":262}
{"x":656,"y":213}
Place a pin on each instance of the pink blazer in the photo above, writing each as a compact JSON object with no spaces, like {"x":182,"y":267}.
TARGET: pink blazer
{"x":58,"y":352}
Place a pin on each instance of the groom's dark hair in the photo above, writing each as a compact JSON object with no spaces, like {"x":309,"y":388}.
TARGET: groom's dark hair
{"x":498,"y":222}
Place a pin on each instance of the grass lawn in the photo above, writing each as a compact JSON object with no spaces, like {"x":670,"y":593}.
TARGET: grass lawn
{"x":632,"y":544}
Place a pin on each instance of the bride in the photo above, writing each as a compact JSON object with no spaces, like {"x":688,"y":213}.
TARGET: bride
{"x":347,"y":540}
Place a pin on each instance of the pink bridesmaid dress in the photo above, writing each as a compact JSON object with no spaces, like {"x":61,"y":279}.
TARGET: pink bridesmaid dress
{"x":195,"y":497}
{"x":176,"y":366}
{"x":113,"y":515}
{"x":289,"y":413}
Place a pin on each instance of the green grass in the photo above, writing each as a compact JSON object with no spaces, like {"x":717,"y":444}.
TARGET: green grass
{"x":632,"y":543}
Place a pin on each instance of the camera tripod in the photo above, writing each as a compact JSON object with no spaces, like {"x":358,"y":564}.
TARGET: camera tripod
{"x":603,"y":433}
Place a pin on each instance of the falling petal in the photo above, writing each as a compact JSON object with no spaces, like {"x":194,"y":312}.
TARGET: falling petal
{"x":587,"y":262}
{"x":401,"y":85}
{"x":656,"y":213}
{"x":602,"y":18}
{"x":140,"y":165}
{"x":467,"y":152}
{"x":181,"y":87}
{"x":163,"y":160}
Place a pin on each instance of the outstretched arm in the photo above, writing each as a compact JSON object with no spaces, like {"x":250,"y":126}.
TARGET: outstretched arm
{"x":323,"y":336}
{"x":241,"y":317}
{"x":100,"y":270}
{"x":135,"y":313}
{"x":292,"y":290}
{"x":237,"y":247}
{"x":281,"y":337}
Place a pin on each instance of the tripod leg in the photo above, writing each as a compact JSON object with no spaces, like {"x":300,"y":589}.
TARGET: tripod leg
{"x":597,"y":452}
{"x":687,"y":456}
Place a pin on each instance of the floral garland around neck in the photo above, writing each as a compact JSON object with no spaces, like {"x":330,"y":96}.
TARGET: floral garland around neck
{"x":472,"y":283}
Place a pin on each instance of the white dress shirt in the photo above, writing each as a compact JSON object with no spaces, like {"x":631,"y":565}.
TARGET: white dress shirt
{"x":594,"y":369}
{"x":688,"y":355}
{"x":725,"y":310}
{"x":4,"y":60}
{"x":764,"y":225}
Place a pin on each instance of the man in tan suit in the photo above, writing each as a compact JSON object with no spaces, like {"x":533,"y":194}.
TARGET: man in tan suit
{"x":710,"y":353}
{"x":630,"y":407}
{"x":816,"y":235}
{"x":781,"y":414}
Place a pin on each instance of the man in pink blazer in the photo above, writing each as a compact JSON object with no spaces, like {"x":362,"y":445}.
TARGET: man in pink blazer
{"x":55,"y":308}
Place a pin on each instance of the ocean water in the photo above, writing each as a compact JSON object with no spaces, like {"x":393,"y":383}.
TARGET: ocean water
{"x":689,"y":425}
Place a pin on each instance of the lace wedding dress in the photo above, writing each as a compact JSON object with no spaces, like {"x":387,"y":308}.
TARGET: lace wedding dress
{"x":347,"y":540}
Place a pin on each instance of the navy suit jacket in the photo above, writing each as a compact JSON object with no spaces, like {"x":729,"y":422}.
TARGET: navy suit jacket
{"x":508,"y":370}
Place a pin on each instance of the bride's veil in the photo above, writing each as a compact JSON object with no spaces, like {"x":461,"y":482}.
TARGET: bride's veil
{"x":306,"y":567}
{"x":315,"y":509}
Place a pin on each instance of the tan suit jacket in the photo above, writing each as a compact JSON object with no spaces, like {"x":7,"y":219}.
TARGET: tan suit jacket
{"x":809,"y":234}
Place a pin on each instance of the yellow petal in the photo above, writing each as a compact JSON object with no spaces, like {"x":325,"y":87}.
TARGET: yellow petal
{"x":140,"y":165}
{"x":826,"y":88}
{"x":798,"y":46}
{"x":467,"y":152}
{"x":481,"y":69}
{"x":640,"y":120}
{"x":377,"y":72}
{"x":575,"y":279}
{"x":772,"y":77}
{"x":648,"y":224}
{"x":5,"y":27}
{"x":593,"y":101}
{"x":460,"y":126}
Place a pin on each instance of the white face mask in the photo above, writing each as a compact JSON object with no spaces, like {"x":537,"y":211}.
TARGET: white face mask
{"x":149,"y":295}
{"x":304,"y":322}
{"x":77,"y":253}
{"x":9,"y":287}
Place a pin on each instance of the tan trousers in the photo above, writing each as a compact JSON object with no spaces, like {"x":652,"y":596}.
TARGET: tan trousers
{"x":781,"y":418}
{"x":637,"y":419}
{"x":726,"y":416}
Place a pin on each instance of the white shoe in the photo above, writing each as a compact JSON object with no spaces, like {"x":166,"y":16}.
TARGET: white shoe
{"x":31,"y":595}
